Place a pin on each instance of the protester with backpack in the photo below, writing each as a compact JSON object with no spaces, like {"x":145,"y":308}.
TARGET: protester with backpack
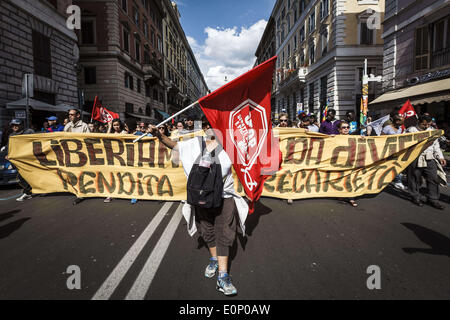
{"x":216,"y":209}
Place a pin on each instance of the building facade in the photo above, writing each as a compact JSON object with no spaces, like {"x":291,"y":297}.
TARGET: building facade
{"x":196,"y":85}
{"x":321,"y":47}
{"x":121,"y":58}
{"x":416,"y":62}
{"x":34,"y":39}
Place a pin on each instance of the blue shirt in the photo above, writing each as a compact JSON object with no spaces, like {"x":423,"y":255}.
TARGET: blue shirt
{"x":353,"y":127}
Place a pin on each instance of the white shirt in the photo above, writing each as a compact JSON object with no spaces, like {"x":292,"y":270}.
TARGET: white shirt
{"x":190,"y":151}
{"x":432,"y":152}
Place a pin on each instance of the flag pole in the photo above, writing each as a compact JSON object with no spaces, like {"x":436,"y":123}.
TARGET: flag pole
{"x":168,"y":119}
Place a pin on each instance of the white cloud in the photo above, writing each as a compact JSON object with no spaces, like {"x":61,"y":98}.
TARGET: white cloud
{"x":227,"y":52}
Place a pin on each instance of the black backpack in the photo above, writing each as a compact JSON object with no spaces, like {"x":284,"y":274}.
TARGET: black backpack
{"x":205,"y":185}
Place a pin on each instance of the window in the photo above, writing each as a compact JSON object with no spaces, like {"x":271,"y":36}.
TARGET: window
{"x":366,"y":36}
{"x":129,"y":108}
{"x":324,"y":9}
{"x":145,"y":29}
{"x":42,"y":55}
{"x":312,"y":22}
{"x":147,"y":90}
{"x":312,"y":54}
{"x":87,"y":32}
{"x":124,"y":5}
{"x":155,"y":94}
{"x":324,"y":42}
{"x":126,"y":40}
{"x":422,"y":51}
{"x":302,"y":59}
{"x":311,"y":98}
{"x":295,"y":42}
{"x":138,"y":50}
{"x":441,"y":44}
{"x":136,"y":16}
{"x":153,"y":38}
{"x":139,"y":85}
{"x":160,"y":46}
{"x":128,"y":81}
{"x":302,"y":34}
{"x":90,"y":75}
{"x":146,"y":56}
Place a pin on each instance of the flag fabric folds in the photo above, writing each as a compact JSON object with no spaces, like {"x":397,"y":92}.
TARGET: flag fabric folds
{"x":101,"y":114}
{"x":240,"y":114}
{"x":407,"y":110}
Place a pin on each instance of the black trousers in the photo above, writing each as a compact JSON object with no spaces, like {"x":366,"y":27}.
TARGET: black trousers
{"x":218,"y":226}
{"x":24,"y":184}
{"x":415,"y":175}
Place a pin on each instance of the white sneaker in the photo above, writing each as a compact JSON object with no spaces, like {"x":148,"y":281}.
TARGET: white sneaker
{"x":399,"y":185}
{"x":24,"y":197}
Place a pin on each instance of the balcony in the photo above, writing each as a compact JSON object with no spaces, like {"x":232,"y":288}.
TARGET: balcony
{"x":293,"y":76}
{"x":440,"y":58}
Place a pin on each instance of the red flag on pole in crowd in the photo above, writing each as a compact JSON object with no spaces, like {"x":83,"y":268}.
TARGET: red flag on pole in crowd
{"x":101,"y":114}
{"x":407,"y":110}
{"x":240,"y":114}
{"x":409,"y":114}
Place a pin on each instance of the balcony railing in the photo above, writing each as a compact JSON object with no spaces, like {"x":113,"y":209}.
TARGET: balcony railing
{"x":440,"y":58}
{"x":293,"y":75}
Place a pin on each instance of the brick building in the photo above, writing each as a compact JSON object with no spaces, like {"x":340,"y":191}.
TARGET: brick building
{"x":34,"y":39}
{"x":121,"y":62}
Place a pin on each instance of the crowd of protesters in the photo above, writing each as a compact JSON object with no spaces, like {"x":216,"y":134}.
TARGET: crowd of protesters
{"x":218,"y":225}
{"x":310,"y":122}
{"x":74,"y":123}
{"x":429,"y":166}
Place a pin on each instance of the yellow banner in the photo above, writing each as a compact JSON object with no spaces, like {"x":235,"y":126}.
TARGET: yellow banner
{"x":314,"y":165}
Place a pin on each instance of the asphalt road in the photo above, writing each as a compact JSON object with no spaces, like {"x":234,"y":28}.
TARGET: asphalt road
{"x":313,"y":249}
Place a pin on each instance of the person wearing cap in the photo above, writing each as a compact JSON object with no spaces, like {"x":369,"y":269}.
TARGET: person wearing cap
{"x":53,"y":126}
{"x":18,"y":129}
{"x":75,"y":123}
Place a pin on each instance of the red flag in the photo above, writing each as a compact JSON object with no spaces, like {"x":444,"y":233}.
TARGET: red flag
{"x":407,"y":111}
{"x":101,"y":114}
{"x":240,"y":114}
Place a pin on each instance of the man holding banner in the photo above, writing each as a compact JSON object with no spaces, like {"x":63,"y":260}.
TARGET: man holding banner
{"x":428,"y":165}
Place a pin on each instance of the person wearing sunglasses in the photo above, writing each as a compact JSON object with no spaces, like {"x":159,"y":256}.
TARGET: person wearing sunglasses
{"x":283,"y":120}
{"x":75,"y":123}
{"x":344,"y":129}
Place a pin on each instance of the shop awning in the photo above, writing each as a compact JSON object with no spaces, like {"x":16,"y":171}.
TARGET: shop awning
{"x":164,"y":114}
{"x":139,"y":116}
{"x":36,"y":105}
{"x":434,"y":91}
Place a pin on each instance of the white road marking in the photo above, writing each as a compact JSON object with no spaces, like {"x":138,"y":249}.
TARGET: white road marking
{"x":109,"y":286}
{"x":145,"y":278}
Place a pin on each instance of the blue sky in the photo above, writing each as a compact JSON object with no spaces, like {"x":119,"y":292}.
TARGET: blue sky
{"x":224,"y":34}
